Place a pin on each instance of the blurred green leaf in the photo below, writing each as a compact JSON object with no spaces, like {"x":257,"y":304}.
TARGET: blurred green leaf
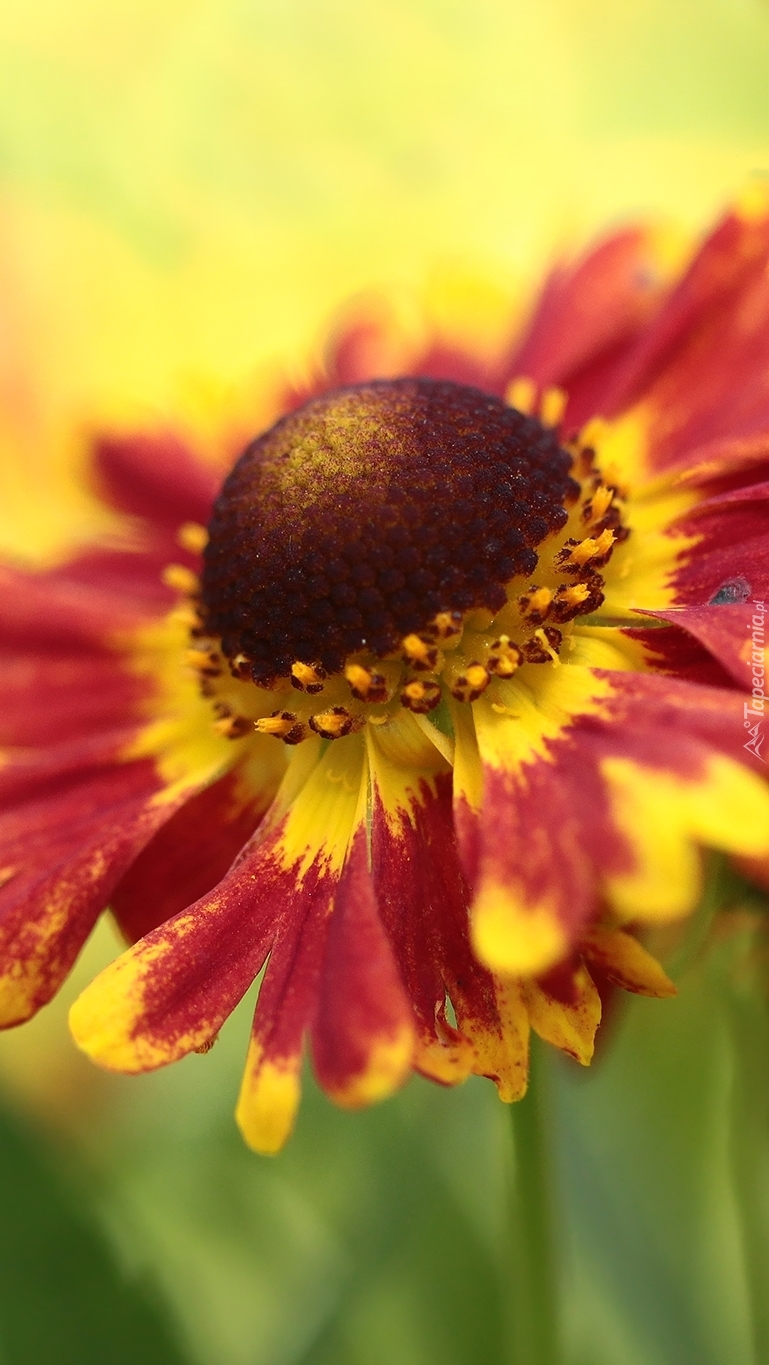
{"x":664,"y":1165}
{"x":63,"y":1298}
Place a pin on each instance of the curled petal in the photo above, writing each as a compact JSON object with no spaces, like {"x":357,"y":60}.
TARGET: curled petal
{"x":626,"y":963}
{"x":568,"y":1021}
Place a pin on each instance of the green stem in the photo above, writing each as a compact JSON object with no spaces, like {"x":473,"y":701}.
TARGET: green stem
{"x":534,"y":1317}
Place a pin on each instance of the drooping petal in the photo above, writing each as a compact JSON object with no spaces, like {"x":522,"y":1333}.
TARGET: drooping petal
{"x":313,"y":848}
{"x":171,"y":992}
{"x":62,"y":851}
{"x":363,"y":1035}
{"x":544,"y":823}
{"x":423,"y":899}
{"x":617,"y":794}
{"x":625,"y":962}
{"x":193,"y":850}
{"x":565,"y":1012}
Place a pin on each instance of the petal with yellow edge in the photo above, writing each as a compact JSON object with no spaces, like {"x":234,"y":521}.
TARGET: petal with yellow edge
{"x":193,"y":850}
{"x":625,"y":962}
{"x":63,"y":849}
{"x":314,"y":842}
{"x":565,"y":1010}
{"x":363,"y":1033}
{"x":423,"y":899}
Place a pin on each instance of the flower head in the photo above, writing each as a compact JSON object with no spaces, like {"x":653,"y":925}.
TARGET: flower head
{"x":453,"y":690}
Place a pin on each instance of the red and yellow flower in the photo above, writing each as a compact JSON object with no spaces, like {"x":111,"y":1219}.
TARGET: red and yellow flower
{"x":454,"y":692}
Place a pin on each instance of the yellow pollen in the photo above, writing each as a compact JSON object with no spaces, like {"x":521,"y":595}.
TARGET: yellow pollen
{"x":447,"y":628}
{"x":573,"y":594}
{"x":420,"y":696}
{"x":365,"y":683}
{"x":535,"y":605}
{"x":577,"y":599}
{"x":307,"y":677}
{"x":419,"y":653}
{"x":552,"y":407}
{"x":505,"y":657}
{"x":282,"y":724}
{"x":590,"y":548}
{"x":471,"y":683}
{"x":332,"y":724}
{"x":600,"y":503}
{"x":182,"y":580}
{"x":521,"y":393}
{"x":193,"y":537}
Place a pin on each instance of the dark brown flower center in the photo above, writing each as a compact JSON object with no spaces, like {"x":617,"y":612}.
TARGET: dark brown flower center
{"x":354,"y":521}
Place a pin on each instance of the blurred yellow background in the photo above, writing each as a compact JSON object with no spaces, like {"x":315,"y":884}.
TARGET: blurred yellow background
{"x":189,"y":189}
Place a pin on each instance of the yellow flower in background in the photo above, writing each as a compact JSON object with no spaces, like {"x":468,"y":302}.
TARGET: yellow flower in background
{"x":460,"y":692}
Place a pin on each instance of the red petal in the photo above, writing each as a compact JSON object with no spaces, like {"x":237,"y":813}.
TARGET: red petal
{"x":588,"y":316}
{"x":725,"y":630}
{"x":362,"y":1038}
{"x":66,"y":850}
{"x":155,"y":477}
{"x":701,"y":367}
{"x":189,"y":854}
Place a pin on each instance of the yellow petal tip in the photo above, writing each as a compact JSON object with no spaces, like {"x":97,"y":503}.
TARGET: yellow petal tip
{"x":514,"y":939}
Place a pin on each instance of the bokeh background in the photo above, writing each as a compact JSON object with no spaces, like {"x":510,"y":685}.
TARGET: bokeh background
{"x":190,"y":190}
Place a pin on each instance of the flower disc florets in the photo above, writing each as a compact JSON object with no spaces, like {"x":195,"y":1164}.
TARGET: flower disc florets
{"x":353,"y":521}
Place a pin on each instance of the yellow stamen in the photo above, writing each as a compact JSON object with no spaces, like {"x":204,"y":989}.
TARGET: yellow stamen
{"x":203,"y":660}
{"x":193,"y":537}
{"x":470,"y":684}
{"x":233,"y":727}
{"x":420,"y":696}
{"x":419,"y":653}
{"x":600,"y":503}
{"x":588,"y":549}
{"x":504,"y":658}
{"x":182,"y":580}
{"x":307,"y":677}
{"x":365,"y":683}
{"x":332,"y":724}
{"x":521,"y":393}
{"x":572,"y":595}
{"x":577,"y":599}
{"x":447,"y":627}
{"x":536,"y":605}
{"x":552,"y":407}
{"x":281,"y":724}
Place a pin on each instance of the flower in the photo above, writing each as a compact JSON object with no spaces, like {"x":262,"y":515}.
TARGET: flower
{"x":451,"y":694}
